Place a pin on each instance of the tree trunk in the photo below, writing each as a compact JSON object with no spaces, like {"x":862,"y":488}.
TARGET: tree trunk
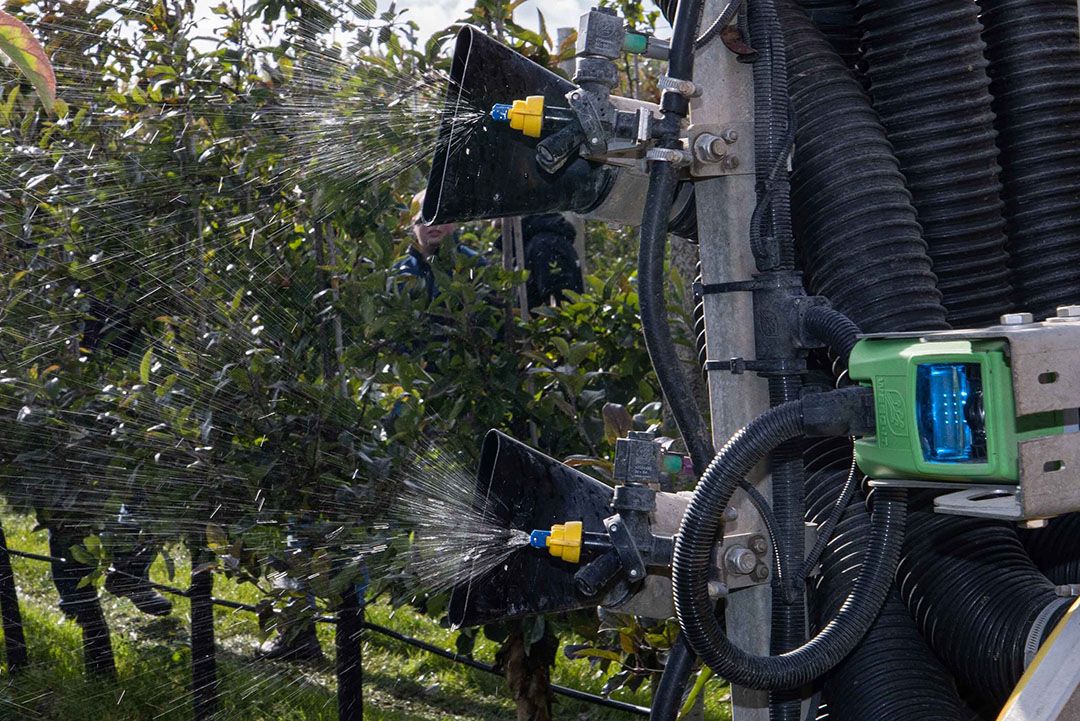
{"x":350,"y":669}
{"x":203,"y":661}
{"x":14,"y":640}
{"x":527,"y":669}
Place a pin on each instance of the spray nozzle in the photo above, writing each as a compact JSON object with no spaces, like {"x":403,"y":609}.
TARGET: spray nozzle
{"x":525,"y":115}
{"x":567,"y":540}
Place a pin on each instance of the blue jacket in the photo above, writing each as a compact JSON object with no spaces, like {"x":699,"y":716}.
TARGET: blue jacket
{"x":415,"y":265}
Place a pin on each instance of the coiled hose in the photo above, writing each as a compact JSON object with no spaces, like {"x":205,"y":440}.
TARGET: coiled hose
{"x":693,"y":556}
{"x":1056,"y":549}
{"x":1034,"y":55}
{"x":860,"y":240}
{"x":928,"y":83}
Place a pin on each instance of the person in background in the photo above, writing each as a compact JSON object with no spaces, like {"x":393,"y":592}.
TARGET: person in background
{"x":426,"y":241}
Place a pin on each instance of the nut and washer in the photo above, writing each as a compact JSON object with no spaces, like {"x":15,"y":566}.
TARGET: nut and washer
{"x":740,"y":560}
{"x":1017,"y":319}
{"x":709,"y":148}
{"x":758,"y":545}
{"x":761,"y":572}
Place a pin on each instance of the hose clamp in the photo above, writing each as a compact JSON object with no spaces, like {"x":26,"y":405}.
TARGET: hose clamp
{"x":678,"y":158}
{"x":685,"y":88}
{"x":1038,"y":628}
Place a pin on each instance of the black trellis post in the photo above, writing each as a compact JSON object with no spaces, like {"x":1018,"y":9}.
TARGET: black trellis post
{"x":204,"y":690}
{"x":350,"y":669}
{"x":14,"y":640}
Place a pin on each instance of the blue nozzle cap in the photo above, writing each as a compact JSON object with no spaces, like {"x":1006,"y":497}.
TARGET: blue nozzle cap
{"x":501,"y":112}
{"x":538,"y":538}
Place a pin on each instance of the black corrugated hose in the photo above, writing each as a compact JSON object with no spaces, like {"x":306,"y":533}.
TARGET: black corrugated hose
{"x":1056,"y":549}
{"x":832,"y":328}
{"x":928,"y":83}
{"x":975,"y":595}
{"x":1034,"y":55}
{"x":860,"y":240}
{"x":836,"y":21}
{"x":773,"y":245}
{"x":891,"y":674}
{"x":862,"y":247}
{"x":693,"y":557}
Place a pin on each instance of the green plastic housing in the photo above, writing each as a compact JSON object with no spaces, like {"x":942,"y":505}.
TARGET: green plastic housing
{"x":890,"y":366}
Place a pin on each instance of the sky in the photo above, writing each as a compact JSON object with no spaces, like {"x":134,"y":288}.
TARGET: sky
{"x":433,"y":15}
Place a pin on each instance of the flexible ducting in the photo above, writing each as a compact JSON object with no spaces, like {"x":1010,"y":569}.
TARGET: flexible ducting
{"x":975,"y":594}
{"x":1034,"y":55}
{"x":836,"y":21}
{"x":928,"y":83}
{"x":1056,"y":549}
{"x":861,"y":242}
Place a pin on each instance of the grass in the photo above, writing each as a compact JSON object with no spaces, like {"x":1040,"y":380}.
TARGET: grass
{"x":400,"y":683}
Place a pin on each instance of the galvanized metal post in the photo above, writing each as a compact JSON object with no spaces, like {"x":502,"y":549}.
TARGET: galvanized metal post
{"x":724,"y":207}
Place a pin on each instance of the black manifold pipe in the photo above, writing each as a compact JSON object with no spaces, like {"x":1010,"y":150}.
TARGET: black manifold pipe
{"x":693,"y":558}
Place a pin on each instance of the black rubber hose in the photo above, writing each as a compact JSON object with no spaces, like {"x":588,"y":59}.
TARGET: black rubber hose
{"x":860,"y":240}
{"x":1034,"y":55}
{"x":684,"y":17}
{"x":928,"y":83}
{"x":693,"y":559}
{"x":654,"y":320}
{"x":668,"y":698}
{"x":1056,"y":549}
{"x":653,"y":244}
{"x":975,"y":595}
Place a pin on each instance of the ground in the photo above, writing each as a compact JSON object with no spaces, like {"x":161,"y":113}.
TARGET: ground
{"x":401,"y":684}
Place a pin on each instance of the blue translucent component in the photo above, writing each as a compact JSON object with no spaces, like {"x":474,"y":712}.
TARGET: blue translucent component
{"x":538,"y":539}
{"x":948,"y":402}
{"x":500,"y":112}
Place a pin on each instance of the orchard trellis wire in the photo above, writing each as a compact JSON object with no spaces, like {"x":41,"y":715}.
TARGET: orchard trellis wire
{"x":349,"y":622}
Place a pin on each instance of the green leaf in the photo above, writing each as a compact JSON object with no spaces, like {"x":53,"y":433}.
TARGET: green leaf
{"x":19,"y":44}
{"x":144,"y":366}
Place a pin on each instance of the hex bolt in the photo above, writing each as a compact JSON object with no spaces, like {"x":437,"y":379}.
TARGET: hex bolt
{"x":731,"y":513}
{"x":1068,"y":311}
{"x":633,"y":573}
{"x":730,"y":135}
{"x":730,"y":162}
{"x":709,"y":148}
{"x":758,"y":545}
{"x":1017,"y":319}
{"x":761,"y":572}
{"x":614,"y":528}
{"x":740,"y":560}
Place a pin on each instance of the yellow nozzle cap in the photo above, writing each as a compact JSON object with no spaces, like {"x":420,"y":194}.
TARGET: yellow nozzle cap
{"x":528,"y":115}
{"x":565,"y":541}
